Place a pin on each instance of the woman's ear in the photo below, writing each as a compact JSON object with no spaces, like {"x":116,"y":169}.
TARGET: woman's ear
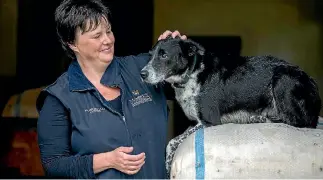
{"x":73,"y":47}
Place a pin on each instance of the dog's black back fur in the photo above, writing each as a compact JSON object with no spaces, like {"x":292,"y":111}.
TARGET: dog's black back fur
{"x":235,"y":88}
{"x":262,"y":85}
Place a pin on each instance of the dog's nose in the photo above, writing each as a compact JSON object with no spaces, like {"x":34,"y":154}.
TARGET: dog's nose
{"x":144,"y":74}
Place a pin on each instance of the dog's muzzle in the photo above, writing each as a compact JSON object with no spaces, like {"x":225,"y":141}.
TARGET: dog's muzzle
{"x":144,"y":74}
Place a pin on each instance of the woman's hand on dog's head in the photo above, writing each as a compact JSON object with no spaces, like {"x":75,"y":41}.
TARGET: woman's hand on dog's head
{"x":173,"y":34}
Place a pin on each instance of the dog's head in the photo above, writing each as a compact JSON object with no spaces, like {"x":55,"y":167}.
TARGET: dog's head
{"x":171,"y":59}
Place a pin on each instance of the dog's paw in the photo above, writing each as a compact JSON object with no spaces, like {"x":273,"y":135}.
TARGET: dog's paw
{"x":170,"y":151}
{"x":258,"y":119}
{"x":169,"y":159}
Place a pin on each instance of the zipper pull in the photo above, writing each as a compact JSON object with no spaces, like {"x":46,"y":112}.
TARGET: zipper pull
{"x":123,"y":118}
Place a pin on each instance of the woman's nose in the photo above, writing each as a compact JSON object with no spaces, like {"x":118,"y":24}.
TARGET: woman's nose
{"x":107,"y":39}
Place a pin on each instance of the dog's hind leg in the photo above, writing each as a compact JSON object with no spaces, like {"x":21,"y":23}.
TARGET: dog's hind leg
{"x":175,"y":142}
{"x":243,"y":117}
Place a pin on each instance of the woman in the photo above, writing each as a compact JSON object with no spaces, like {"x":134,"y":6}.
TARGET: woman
{"x":98,"y":119}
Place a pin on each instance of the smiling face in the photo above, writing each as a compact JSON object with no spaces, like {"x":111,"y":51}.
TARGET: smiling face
{"x":95,"y":44}
{"x":170,"y":59}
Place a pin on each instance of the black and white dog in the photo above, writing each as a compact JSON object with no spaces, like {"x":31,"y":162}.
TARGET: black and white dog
{"x":217,"y":89}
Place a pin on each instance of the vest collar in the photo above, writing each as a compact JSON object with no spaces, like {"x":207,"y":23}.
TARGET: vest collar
{"x":79,"y":82}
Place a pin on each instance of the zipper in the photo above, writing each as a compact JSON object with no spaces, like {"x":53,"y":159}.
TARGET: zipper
{"x":122,"y":116}
{"x":125,"y":123}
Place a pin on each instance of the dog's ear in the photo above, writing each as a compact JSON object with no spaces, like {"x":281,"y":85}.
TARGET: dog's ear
{"x":151,"y":51}
{"x":158,"y":42}
{"x":191,"y":47}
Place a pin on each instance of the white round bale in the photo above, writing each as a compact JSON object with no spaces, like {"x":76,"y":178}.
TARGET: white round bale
{"x":253,"y":151}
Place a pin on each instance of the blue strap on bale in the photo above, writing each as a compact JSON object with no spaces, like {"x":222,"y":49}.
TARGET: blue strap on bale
{"x":199,"y":154}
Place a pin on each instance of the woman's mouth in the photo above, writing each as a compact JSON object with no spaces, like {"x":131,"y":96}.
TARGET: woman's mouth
{"x":106,"y":50}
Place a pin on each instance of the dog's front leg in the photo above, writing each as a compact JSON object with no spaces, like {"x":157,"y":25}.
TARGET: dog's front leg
{"x":175,"y":142}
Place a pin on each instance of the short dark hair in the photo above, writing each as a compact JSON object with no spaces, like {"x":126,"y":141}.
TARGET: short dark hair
{"x":72,"y":15}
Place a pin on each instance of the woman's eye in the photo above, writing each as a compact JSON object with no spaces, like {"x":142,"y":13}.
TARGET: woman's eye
{"x":96,"y":36}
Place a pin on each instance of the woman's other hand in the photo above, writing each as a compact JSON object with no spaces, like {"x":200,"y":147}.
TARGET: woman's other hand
{"x":173,"y":34}
{"x":121,"y":160}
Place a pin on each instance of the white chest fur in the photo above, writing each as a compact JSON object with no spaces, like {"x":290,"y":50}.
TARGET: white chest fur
{"x":187,"y":98}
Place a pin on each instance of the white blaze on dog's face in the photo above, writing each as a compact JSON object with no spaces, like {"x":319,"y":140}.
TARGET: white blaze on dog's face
{"x":170,"y":59}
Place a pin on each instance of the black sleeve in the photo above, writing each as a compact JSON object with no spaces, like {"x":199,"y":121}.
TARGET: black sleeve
{"x":54,"y":136}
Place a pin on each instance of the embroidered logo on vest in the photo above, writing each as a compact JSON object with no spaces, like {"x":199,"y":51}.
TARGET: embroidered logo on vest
{"x":144,"y":98}
{"x":94,"y":110}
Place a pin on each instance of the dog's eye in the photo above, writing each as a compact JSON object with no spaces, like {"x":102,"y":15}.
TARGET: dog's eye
{"x":164,"y":56}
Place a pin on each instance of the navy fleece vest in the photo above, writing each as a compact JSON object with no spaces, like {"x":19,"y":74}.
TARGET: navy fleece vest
{"x":97,"y":127}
